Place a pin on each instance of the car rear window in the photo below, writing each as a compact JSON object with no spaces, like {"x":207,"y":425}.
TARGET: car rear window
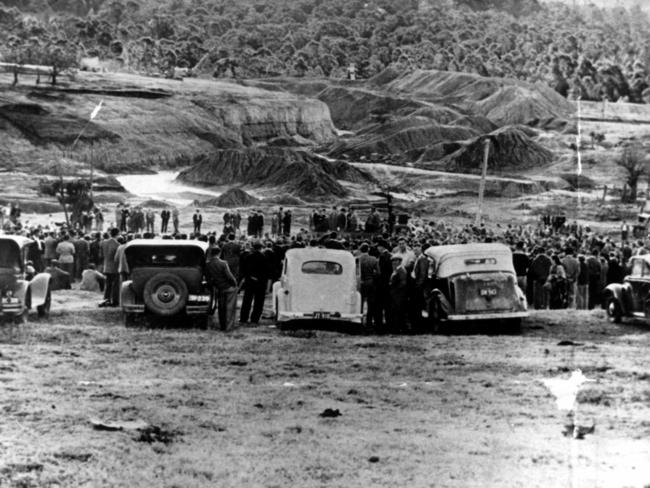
{"x":164,"y":256}
{"x":476,"y":261}
{"x":8,"y":256}
{"x":322,"y":267}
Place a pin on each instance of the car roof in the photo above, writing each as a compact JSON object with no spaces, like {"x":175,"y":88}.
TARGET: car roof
{"x":21,"y":241}
{"x":167,"y":242}
{"x":642,"y":257}
{"x":451,"y":259}
{"x":318,"y":253}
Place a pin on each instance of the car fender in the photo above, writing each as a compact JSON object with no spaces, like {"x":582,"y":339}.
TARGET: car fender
{"x":622,"y":292}
{"x":39,"y":287}
{"x":21,"y":291}
{"x":521,"y":296}
{"x":127,"y":295}
{"x":280,"y":297}
{"x":357,"y":302}
{"x":445,"y":308}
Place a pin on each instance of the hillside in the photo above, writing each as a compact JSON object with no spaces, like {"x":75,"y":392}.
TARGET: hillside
{"x":147,"y":122}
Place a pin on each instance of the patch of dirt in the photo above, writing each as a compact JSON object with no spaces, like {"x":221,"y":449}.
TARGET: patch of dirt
{"x":243,"y":408}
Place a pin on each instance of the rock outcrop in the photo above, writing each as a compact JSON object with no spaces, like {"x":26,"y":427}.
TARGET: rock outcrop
{"x":295,"y":172}
{"x":233,"y":198}
{"x":510,"y":148}
{"x":397,"y":137}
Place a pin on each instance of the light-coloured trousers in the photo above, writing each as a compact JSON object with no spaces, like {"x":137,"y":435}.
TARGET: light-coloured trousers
{"x":227,"y":308}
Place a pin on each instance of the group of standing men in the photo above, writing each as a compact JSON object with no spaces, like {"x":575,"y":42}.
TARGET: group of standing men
{"x":394,"y":285}
{"x":137,"y":220}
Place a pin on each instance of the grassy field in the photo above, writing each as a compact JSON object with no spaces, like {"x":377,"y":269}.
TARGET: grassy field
{"x":245,"y":408}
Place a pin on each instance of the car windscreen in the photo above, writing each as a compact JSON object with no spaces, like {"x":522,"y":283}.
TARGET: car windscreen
{"x":9,"y":255}
{"x":164,"y":256}
{"x":322,"y":268}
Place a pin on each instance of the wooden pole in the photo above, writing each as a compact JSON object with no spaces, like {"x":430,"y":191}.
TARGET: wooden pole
{"x":92,"y":164}
{"x":481,"y":188}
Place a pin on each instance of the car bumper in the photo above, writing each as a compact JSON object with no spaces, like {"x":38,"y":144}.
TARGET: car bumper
{"x":488,"y":316}
{"x":189,"y":309}
{"x":343,"y":317}
{"x":15,"y":308}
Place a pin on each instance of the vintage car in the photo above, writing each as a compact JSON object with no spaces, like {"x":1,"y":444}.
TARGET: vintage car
{"x":632,"y":297}
{"x":166,"y":279}
{"x":18,"y":293}
{"x":318,"y":284}
{"x":474,"y":282}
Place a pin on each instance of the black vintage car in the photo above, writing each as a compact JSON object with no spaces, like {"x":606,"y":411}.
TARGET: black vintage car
{"x":632,"y":297}
{"x":167,"y":279}
{"x":19,"y":292}
{"x":475,"y":282}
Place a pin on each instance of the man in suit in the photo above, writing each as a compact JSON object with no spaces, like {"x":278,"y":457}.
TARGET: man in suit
{"x":369,"y":271}
{"x":164,"y":220}
{"x":197,"y":220}
{"x":231,"y":253}
{"x":224,"y":282}
{"x":538,"y":272}
{"x":421,"y":287}
{"x":398,"y":295}
{"x":111,"y":291}
{"x":59,"y":279}
{"x":383,"y":281}
{"x":49,"y":245}
{"x":256,"y":273}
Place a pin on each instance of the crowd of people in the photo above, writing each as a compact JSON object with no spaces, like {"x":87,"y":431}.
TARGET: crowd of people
{"x":559,"y":264}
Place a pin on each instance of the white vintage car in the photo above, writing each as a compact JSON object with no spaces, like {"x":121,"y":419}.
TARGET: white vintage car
{"x":475,"y":282}
{"x":318,"y":284}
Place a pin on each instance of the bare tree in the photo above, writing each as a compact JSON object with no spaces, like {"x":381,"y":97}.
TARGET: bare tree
{"x":635,"y":163}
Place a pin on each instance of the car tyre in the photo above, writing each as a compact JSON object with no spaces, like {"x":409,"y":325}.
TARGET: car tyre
{"x":44,"y":310}
{"x":614,"y":311}
{"x":165,"y":294}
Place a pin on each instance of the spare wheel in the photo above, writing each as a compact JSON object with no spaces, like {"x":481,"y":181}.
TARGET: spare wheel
{"x":165,"y":294}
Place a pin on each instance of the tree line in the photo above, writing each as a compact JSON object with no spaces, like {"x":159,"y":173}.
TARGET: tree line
{"x":586,"y":51}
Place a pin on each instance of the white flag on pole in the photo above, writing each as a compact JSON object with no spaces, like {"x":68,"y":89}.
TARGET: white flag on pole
{"x":96,"y":110}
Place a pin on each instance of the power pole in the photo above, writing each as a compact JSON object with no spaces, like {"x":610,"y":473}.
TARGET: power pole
{"x":481,"y":188}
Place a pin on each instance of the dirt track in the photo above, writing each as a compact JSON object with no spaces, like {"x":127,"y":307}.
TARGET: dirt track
{"x":243,"y":409}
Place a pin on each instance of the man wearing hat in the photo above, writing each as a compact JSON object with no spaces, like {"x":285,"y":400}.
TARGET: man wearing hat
{"x":220,"y":277}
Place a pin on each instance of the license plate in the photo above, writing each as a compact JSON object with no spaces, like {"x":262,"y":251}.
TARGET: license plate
{"x":321,"y":315}
{"x":11,"y":300}
{"x":488,"y":292}
{"x":198,"y":298}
